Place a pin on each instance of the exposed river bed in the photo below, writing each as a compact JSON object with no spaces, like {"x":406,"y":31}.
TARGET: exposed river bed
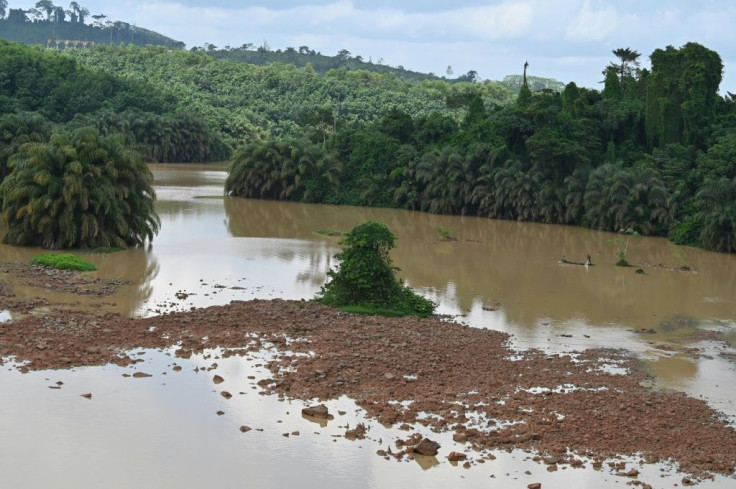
{"x":679,"y":316}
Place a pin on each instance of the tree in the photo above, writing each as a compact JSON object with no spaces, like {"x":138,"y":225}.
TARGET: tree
{"x":365,"y":276}
{"x":716,"y":211}
{"x":681,"y":94}
{"x":628,"y":63}
{"x":82,"y":13}
{"x":19,"y":129}
{"x":3,"y":8}
{"x":79,"y":190}
{"x":46,"y":6}
{"x":59,"y":14}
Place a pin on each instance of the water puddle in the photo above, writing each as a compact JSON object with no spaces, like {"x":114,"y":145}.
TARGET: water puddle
{"x":167,"y":417}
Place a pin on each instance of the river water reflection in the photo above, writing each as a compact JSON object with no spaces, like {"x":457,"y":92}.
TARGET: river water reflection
{"x":496,"y":274}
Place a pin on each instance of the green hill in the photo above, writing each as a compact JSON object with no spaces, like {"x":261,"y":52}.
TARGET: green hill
{"x":34,"y":26}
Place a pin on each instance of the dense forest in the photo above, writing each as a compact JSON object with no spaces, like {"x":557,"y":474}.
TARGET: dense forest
{"x":651,"y":153}
{"x":46,"y":21}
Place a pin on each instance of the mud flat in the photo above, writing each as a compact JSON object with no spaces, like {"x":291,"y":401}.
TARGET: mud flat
{"x":587,"y":405}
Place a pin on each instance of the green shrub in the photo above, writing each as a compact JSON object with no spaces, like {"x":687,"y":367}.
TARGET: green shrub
{"x":64,"y":261}
{"x":365,"y":280}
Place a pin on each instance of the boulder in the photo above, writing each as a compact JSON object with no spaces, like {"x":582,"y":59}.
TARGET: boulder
{"x":427,"y":447}
{"x":319,"y":411}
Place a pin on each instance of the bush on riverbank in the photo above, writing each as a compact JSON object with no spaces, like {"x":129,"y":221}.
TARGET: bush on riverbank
{"x":365,"y":282}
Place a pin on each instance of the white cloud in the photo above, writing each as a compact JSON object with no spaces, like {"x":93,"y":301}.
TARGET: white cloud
{"x":593,"y":24}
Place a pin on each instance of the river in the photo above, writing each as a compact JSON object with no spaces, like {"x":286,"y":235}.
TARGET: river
{"x":503,"y":275}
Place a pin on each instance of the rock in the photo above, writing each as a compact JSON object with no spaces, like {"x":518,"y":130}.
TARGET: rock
{"x":535,"y":485}
{"x":456,"y":456}
{"x":427,"y":447}
{"x":226,"y":394}
{"x":87,"y":395}
{"x":319,"y":411}
{"x":632,"y":473}
{"x":140,"y":375}
{"x":217,"y":379}
{"x":220,"y":413}
{"x":460,"y":437}
{"x":245,"y":429}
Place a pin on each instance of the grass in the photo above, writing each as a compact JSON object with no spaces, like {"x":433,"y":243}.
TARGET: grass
{"x":63,"y":261}
{"x":446,"y":234}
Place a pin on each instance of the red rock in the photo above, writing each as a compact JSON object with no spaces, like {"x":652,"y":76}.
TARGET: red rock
{"x":319,"y":411}
{"x":535,"y":485}
{"x":427,"y":447}
{"x":217,"y":379}
{"x":245,"y":429}
{"x":456,"y":456}
{"x":460,"y":437}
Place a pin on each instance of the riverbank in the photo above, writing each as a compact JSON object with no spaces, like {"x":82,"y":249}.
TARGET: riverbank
{"x":444,"y":375}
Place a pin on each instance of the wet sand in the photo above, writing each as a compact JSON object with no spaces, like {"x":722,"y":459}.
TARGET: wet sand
{"x":447,"y":376}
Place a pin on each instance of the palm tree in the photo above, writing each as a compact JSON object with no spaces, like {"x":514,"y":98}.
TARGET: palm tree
{"x":595,"y":199}
{"x":16,"y":130}
{"x":79,"y":190}
{"x":716,"y":210}
{"x":575,"y":185}
{"x":629,"y":62}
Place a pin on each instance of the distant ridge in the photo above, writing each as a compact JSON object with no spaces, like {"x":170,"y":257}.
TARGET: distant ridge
{"x":26,"y":27}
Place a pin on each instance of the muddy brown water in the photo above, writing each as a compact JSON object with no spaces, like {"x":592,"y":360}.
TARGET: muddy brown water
{"x":496,"y":274}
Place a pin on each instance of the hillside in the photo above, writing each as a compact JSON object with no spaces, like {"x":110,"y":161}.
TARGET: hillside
{"x":34,"y":26}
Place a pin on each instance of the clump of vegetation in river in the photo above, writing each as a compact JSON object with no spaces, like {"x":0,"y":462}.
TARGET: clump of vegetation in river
{"x":63,"y":261}
{"x":365,"y":280}
{"x":446,"y":234}
{"x":328,"y":232}
{"x":79,"y":190}
{"x":622,"y":246}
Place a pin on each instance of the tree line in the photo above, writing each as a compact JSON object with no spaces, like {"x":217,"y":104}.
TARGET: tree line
{"x":652,"y":152}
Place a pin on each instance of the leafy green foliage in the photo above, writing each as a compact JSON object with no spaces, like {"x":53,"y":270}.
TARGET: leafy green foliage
{"x":446,"y":234}
{"x":365,"y":278}
{"x":79,"y":190}
{"x":63,"y":261}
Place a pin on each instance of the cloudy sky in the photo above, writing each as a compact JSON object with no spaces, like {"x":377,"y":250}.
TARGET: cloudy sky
{"x":570,"y":40}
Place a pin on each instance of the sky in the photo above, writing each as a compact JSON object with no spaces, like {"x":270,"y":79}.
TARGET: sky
{"x":570,"y":40}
